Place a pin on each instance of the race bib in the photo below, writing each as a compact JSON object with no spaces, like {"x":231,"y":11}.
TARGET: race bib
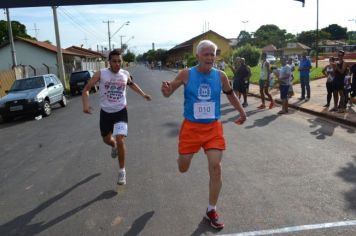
{"x":120,"y":128}
{"x":204,"y":110}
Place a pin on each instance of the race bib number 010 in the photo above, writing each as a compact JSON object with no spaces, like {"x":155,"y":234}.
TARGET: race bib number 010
{"x":204,"y":110}
{"x":120,"y":128}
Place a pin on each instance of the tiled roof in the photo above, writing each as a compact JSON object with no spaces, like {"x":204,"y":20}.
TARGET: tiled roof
{"x":189,"y":42}
{"x":269,"y":48}
{"x":44,"y":45}
{"x":87,"y":52}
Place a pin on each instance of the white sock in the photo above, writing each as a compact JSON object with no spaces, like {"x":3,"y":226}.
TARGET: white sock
{"x":122,"y":170}
{"x":210,"y":207}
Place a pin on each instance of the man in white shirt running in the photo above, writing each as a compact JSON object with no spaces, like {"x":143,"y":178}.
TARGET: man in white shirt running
{"x":113,"y":114}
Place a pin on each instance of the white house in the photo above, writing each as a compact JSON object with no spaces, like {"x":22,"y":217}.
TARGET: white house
{"x":41,"y":57}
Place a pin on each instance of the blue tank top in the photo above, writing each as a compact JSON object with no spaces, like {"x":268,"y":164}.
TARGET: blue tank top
{"x":202,"y":96}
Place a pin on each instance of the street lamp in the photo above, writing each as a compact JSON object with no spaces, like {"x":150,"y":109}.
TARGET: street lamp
{"x":132,"y":37}
{"x":244,"y":22}
{"x":112,"y":35}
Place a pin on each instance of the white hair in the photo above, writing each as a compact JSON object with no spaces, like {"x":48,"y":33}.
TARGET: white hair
{"x":206,"y":44}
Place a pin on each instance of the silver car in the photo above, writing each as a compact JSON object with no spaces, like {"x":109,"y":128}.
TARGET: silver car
{"x":32,"y":96}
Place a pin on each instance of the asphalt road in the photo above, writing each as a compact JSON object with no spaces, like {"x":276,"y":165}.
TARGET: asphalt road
{"x":57,"y":177}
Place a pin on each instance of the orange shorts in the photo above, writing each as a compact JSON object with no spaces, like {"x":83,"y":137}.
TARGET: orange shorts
{"x":193,"y":136}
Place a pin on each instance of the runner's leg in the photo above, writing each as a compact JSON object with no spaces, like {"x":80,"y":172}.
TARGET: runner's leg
{"x":109,"y":140}
{"x":214,"y":160}
{"x":184,"y":161}
{"x":121,"y":147}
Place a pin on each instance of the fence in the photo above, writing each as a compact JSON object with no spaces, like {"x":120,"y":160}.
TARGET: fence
{"x":7,"y":78}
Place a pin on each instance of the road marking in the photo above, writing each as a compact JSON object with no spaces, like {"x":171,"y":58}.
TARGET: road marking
{"x":295,"y":228}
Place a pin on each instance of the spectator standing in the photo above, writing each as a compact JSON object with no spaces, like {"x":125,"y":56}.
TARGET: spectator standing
{"x":329,"y":72}
{"x":338,"y":83}
{"x":284,"y":83}
{"x":353,"y":80}
{"x":264,"y":82}
{"x":291,"y":65}
{"x":347,"y":87}
{"x":304,"y":69}
{"x":242,"y":74}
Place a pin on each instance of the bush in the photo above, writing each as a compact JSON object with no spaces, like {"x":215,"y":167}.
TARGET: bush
{"x":250,"y":53}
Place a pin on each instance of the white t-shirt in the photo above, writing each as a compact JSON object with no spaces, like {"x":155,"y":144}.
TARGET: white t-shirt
{"x":284,"y":75}
{"x":112,"y":87}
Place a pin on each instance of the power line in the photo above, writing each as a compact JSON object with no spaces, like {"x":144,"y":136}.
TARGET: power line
{"x":79,"y":25}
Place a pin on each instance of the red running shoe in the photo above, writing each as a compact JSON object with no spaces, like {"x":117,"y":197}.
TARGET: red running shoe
{"x":213,"y":217}
{"x":262,"y":106}
{"x":271,"y":105}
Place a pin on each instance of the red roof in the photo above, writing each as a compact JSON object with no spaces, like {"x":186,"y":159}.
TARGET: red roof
{"x":87,"y":52}
{"x":46,"y":46}
{"x":269,"y":48}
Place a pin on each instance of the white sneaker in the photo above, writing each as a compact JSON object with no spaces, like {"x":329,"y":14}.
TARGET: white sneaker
{"x":114,"y":152}
{"x":121,"y":178}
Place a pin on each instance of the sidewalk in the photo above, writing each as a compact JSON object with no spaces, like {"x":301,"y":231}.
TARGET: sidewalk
{"x":315,"y":104}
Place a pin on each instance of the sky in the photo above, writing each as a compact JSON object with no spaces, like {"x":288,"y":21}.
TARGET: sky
{"x":167,"y":24}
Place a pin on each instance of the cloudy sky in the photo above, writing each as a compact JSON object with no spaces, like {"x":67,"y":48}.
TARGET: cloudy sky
{"x":169,"y":23}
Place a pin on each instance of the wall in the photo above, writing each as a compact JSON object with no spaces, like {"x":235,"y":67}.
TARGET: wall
{"x":27,"y":54}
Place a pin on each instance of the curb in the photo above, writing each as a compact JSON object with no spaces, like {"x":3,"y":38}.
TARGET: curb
{"x":316,"y":113}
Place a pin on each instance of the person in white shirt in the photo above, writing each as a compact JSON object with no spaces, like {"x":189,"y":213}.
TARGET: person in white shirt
{"x":284,"y":83}
{"x":113,"y":82}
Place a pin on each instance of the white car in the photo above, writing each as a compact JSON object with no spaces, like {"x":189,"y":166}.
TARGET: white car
{"x":271,"y":59}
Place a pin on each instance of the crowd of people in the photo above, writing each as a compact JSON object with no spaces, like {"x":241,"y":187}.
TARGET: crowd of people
{"x":340,"y":82}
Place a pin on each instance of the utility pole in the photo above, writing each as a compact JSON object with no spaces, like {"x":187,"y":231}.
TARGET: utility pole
{"x":36,"y":30}
{"x":317,"y":33}
{"x":121,"y":36}
{"x":108,"y":22}
{"x":13,"y":52}
{"x":59,"y":49}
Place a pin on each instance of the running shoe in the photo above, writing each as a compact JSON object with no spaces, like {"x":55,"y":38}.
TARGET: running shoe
{"x":214,"y":219}
{"x":121,"y":178}
{"x":271,"y":105}
{"x":307,"y":99}
{"x":262,"y":106}
{"x":114,"y":152}
{"x":301,"y":98}
{"x":245,"y":104}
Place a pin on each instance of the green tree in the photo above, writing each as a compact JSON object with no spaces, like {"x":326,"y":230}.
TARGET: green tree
{"x":270,"y":34}
{"x":309,"y":37}
{"x":336,"y":32}
{"x":18,"y":29}
{"x":250,"y":53}
{"x":243,"y":38}
{"x":129,"y":56}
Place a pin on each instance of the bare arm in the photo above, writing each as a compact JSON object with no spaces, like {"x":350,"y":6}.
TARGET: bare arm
{"x":85,"y":93}
{"x":168,"y":87}
{"x":249,"y":73}
{"x":234,"y":101}
{"x":132,"y":85}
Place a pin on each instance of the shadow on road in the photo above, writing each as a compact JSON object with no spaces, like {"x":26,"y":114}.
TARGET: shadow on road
{"x":21,"y":224}
{"x":139,"y":224}
{"x":203,"y":228}
{"x":174,"y":129}
{"x":348,"y":173}
{"x":323,"y":130}
{"x":263,"y":121}
{"x":326,"y":129}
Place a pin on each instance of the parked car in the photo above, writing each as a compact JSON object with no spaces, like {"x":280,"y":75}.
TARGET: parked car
{"x":271,"y":59}
{"x":79,"y":79}
{"x":32,"y":96}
